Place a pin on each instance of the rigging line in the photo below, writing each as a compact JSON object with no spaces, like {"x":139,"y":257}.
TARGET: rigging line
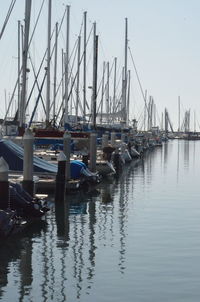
{"x":75,"y":52}
{"x":81,"y":27}
{"x":119,"y":82}
{"x":36,"y":79}
{"x":59,"y":85}
{"x":21,"y":67}
{"x":36,"y":23}
{"x":11,"y":99}
{"x":37,"y":75}
{"x":72,"y":83}
{"x":142,"y":91}
{"x":36,"y":103}
{"x":100,"y":84}
{"x":28,"y":48}
{"x":7,"y":17}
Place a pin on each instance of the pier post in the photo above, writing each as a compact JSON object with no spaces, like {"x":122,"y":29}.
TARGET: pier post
{"x":112,"y":139}
{"x":4,"y":184}
{"x":67,"y":152}
{"x":104,"y":140}
{"x":93,"y":151}
{"x":60,"y":178}
{"x":27,"y":183}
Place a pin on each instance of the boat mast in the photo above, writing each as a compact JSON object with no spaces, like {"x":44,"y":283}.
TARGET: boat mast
{"x":145,"y":110}
{"x":94,"y":85}
{"x":67,"y":67}
{"x":24,"y":62}
{"x":125,"y":71}
{"x":128,"y":97}
{"x":102,"y":92}
{"x":48,"y":65}
{"x":78,"y":77}
{"x":19,"y":64}
{"x":62,"y":80}
{"x":107,"y":93}
{"x":154,"y":108}
{"x":114,"y":89}
{"x":179,"y":102}
{"x":84,"y":64}
{"x":55,"y":74}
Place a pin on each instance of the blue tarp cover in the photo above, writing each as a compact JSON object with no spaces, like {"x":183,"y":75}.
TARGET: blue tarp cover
{"x":14,"y":154}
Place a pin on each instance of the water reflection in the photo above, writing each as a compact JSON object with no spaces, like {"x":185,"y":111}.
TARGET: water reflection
{"x":18,"y":251}
{"x":186,"y":154}
{"x":89,"y":235}
{"x":62,"y":219}
{"x":65,"y":252}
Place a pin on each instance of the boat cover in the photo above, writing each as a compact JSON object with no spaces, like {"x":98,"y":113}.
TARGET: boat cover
{"x":76,"y":168}
{"x":14,"y":154}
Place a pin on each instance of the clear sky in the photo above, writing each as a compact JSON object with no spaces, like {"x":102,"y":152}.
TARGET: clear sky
{"x":163,"y":37}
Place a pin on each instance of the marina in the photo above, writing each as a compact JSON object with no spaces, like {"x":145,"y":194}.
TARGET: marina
{"x":132,"y":237}
{"x":99,"y":152}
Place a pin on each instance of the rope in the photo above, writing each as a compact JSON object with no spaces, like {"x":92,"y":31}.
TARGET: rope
{"x":7,"y":17}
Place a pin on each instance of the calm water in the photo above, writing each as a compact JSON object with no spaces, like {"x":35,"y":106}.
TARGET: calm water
{"x":135,"y":238}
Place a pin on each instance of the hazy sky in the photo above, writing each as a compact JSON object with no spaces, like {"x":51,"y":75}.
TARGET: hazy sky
{"x":163,"y":38}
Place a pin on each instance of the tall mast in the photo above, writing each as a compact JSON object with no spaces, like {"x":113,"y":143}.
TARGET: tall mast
{"x":122,"y":98}
{"x":71,"y":97}
{"x":154,"y":108}
{"x":114,"y":88}
{"x":84,"y":63}
{"x":55,"y":73}
{"x":19,"y":64}
{"x":48,"y":64}
{"x":67,"y":67}
{"x":63,"y":86}
{"x":78,"y":76}
{"x":166,"y":121}
{"x":94,"y":85}
{"x":179,"y":113}
{"x":102,"y":91}
{"x":92,"y":99}
{"x":125,"y":68}
{"x":108,"y":92}
{"x":93,"y":80}
{"x":145,"y":110}
{"x":24,"y":61}
{"x":151,"y":120}
{"x":128,"y":96}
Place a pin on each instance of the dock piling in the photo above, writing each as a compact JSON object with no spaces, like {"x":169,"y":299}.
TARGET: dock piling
{"x":67,"y":152}
{"x":27,"y":183}
{"x":93,"y":151}
{"x":60,"y":178}
{"x":4,"y":184}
